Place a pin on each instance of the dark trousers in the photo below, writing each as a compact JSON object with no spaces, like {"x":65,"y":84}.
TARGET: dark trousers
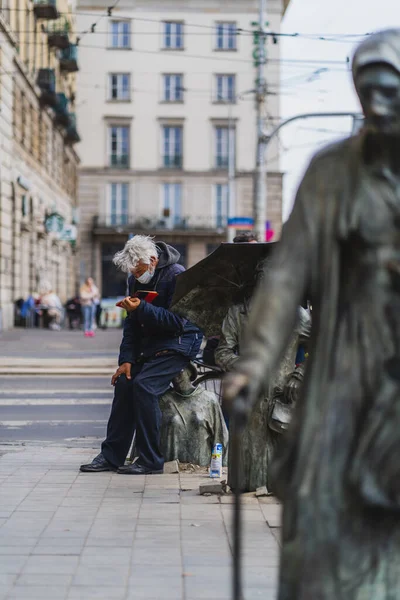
{"x":136,"y":407}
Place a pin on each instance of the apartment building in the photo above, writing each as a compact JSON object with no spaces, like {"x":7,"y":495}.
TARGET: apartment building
{"x":38,"y":163}
{"x":166,"y":105}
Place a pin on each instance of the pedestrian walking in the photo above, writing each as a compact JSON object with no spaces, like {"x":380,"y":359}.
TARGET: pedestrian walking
{"x":88,"y":295}
{"x":156,"y":346}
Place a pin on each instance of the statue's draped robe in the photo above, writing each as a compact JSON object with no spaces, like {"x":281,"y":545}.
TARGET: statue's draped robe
{"x":339,"y":476}
{"x":191,"y":426}
{"x":258,"y":442}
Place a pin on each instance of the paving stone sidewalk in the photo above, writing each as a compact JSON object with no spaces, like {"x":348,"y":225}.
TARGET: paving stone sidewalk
{"x":73,"y":536}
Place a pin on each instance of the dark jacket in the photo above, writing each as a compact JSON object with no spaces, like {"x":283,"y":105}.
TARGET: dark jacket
{"x":152,"y":327}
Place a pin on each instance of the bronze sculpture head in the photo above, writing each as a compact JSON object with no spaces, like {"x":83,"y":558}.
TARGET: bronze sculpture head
{"x":376,"y":73}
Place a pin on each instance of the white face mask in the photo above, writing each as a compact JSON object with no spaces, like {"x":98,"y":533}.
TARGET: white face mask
{"x":146,"y":277}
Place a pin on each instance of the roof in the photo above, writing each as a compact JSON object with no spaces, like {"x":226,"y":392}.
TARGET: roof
{"x":285,"y":5}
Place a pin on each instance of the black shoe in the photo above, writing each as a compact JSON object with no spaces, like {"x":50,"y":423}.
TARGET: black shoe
{"x":138,"y":469}
{"x":98,"y":464}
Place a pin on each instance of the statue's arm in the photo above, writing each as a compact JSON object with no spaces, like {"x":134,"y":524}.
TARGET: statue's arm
{"x":226,"y":353}
{"x":274,"y":312}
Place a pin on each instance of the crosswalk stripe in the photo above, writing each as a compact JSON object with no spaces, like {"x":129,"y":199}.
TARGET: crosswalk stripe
{"x":53,"y":401}
{"x":11,"y":391}
{"x":51,"y":422}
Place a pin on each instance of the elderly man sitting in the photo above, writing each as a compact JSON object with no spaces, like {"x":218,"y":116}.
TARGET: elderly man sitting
{"x":156,"y":346}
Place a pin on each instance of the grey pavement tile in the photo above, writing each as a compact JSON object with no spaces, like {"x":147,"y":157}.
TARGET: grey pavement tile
{"x":164,"y":558}
{"x":28,"y":592}
{"x":107,"y":557}
{"x":195,"y":560}
{"x":84,"y":592}
{"x":5,"y":514}
{"x":148,"y":571}
{"x":36,"y":506}
{"x":11,"y":540}
{"x":197,"y":499}
{"x":122,"y":541}
{"x":12,"y":563}
{"x":155,"y":590}
{"x":196,"y":511}
{"x":200,"y":588}
{"x":158,"y":522}
{"x":95,"y":576}
{"x":272,"y":514}
{"x":41,"y":579}
{"x":160,"y":500}
{"x":21,"y":549}
{"x":57,"y":564}
{"x":4,"y":590}
{"x":7,"y":579}
{"x":277,"y":533}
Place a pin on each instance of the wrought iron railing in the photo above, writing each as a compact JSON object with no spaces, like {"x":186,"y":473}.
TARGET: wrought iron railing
{"x":159,"y":223}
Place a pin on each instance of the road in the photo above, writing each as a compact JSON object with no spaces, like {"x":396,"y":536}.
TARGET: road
{"x":70,"y":410}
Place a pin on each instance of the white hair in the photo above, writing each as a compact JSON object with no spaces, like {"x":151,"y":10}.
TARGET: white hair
{"x":140,"y":248}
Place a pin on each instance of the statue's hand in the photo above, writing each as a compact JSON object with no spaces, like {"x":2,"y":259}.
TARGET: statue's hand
{"x":236,"y":399}
{"x":292,"y":387}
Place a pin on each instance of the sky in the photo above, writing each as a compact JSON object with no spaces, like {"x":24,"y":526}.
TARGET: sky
{"x":324,"y":85}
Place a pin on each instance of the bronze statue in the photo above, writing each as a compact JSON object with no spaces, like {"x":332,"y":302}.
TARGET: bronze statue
{"x":339,"y":477}
{"x":259,"y":441}
{"x":192,"y":422}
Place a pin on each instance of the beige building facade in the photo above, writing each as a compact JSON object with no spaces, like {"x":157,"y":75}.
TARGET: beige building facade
{"x":166,"y":99}
{"x":38,"y":163}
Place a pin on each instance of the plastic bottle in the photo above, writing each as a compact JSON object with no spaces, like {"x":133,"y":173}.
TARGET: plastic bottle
{"x":216,"y":462}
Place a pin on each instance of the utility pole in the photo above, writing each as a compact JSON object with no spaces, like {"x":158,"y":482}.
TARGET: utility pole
{"x":260,"y":184}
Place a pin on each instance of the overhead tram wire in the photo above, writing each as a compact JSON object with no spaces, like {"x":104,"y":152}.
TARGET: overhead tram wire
{"x":239,"y":30}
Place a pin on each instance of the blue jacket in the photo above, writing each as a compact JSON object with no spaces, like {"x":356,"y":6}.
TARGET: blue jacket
{"x":152,"y":327}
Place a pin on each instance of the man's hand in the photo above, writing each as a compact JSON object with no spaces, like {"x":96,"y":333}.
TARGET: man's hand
{"x":124,"y":369}
{"x":129,"y":304}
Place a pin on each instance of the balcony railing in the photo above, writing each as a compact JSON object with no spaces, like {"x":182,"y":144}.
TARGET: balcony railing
{"x":45,"y":9}
{"x":61,"y":110}
{"x":119,"y":161}
{"x":72,"y":135}
{"x":69,"y":59}
{"x":58,"y":33}
{"x":129,"y":223}
{"x":46,"y":81}
{"x":173,"y":162}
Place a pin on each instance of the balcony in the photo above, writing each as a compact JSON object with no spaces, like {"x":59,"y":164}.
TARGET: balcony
{"x":45,"y":9}
{"x":111,"y":224}
{"x":61,"y":111}
{"x":69,"y":59}
{"x":119,"y":161}
{"x":58,"y":33}
{"x":46,"y":81}
{"x":173,"y":162}
{"x":72,"y":136}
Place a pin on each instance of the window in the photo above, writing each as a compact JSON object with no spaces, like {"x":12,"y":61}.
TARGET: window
{"x":221,"y":204}
{"x":118,"y":203}
{"x":119,"y":146}
{"x":172,"y":204}
{"x":120,"y":86}
{"x":173,"y":35}
{"x":225,"y":88}
{"x":226,"y":36}
{"x":222,"y":146}
{"x":173,"y":88}
{"x":172,"y":146}
{"x":120,"y":34}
